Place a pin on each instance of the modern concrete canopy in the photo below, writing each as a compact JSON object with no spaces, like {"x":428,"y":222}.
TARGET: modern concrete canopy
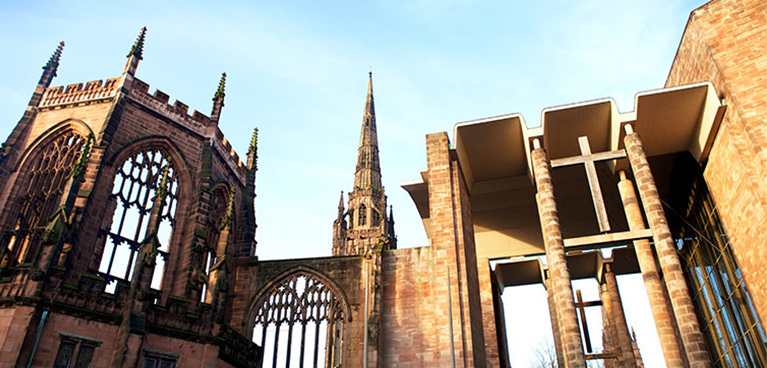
{"x":494,"y":154}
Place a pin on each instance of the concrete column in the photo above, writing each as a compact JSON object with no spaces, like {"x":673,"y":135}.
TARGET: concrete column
{"x":610,"y":340}
{"x":684,"y":311}
{"x":623,"y":338}
{"x":559,"y":275}
{"x":554,"y":322}
{"x":664,"y":324}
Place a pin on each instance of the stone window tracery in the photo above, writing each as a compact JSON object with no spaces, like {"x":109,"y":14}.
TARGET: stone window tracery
{"x":295,"y":318}
{"x":135,"y":187}
{"x":41,"y":189}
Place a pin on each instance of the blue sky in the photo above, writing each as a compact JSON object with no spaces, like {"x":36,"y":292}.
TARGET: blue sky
{"x":298,"y":71}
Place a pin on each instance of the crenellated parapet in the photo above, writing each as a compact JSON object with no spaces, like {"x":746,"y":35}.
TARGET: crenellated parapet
{"x":93,"y":91}
{"x":197,"y":122}
{"x":177,"y":112}
{"x":224,"y":147}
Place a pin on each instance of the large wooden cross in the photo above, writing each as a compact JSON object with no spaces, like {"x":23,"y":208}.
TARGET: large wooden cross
{"x":588,"y":159}
{"x":580,"y":305}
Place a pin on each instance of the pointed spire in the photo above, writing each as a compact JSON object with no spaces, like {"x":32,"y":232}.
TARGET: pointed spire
{"x":138,"y":47}
{"x":53,"y":63}
{"x":341,"y":206}
{"x":368,"y":174}
{"x":220,"y":91}
{"x":135,"y":54}
{"x":49,"y":70}
{"x":390,"y":223}
{"x":370,"y":112}
{"x":218,"y":100}
{"x":253,"y":151}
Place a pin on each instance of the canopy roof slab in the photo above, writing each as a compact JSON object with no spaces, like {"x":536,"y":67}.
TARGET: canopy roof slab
{"x":494,"y":157}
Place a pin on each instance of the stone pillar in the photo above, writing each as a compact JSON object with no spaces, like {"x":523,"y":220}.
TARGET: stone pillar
{"x":554,"y":321}
{"x":609,"y":339}
{"x":684,"y":311}
{"x":621,"y":337}
{"x":664,"y":324}
{"x":559,"y":276}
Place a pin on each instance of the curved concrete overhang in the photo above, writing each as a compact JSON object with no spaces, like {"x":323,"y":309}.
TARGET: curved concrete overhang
{"x":494,"y":155}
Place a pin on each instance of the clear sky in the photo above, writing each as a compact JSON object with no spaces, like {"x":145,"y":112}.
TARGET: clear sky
{"x":298,"y":71}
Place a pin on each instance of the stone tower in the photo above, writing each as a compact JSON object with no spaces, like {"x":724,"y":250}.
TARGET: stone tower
{"x":122,"y":219}
{"x":368,"y":225}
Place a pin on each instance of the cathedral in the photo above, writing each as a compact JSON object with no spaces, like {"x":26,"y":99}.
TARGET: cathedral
{"x":127,"y":228}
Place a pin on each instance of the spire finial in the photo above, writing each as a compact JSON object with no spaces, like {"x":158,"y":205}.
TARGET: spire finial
{"x":138,"y":47}
{"x":253,"y":151}
{"x":341,"y":206}
{"x":219,"y":96}
{"x":53,"y":62}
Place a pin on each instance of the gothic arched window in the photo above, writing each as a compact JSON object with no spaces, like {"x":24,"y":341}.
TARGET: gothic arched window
{"x":294,"y":318}
{"x":41,"y":188}
{"x":133,"y":196}
{"x":363,"y":215}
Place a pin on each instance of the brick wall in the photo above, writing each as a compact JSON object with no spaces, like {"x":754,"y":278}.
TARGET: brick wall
{"x":426,"y":290}
{"x":725,"y":43}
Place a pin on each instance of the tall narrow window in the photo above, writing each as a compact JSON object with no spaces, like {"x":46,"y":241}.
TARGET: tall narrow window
{"x":135,"y":188}
{"x":41,"y":189}
{"x":363,"y":215}
{"x":375,"y":218}
{"x":728,"y":318}
{"x":299,"y":322}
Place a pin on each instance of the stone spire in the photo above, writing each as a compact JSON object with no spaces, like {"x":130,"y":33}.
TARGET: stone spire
{"x":218,"y":100}
{"x":367,"y":224}
{"x":51,"y":67}
{"x":136,"y":53}
{"x":252,"y":160}
{"x":341,"y":209}
{"x":390,"y":230}
{"x":368,"y":174}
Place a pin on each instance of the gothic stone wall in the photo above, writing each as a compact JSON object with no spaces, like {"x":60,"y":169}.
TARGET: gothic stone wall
{"x":345,"y":273}
{"x":724,"y":43}
{"x":121,"y":126}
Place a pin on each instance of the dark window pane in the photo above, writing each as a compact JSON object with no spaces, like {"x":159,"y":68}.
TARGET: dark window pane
{"x":64,"y":357}
{"x":150,"y":362}
{"x":84,"y":357}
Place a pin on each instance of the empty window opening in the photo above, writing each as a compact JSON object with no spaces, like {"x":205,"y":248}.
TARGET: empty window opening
{"x":135,"y":189}
{"x":299,"y":322}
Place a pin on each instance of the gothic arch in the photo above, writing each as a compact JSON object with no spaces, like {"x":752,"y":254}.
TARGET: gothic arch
{"x":266,"y":288}
{"x":50,"y":134}
{"x":298,"y":316}
{"x":42,"y":173}
{"x":113,"y":165}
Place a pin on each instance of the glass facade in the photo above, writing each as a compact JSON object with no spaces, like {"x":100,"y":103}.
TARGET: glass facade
{"x":725,"y":309}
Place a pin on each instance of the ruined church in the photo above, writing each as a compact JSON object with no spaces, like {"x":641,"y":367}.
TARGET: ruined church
{"x":127,"y":228}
